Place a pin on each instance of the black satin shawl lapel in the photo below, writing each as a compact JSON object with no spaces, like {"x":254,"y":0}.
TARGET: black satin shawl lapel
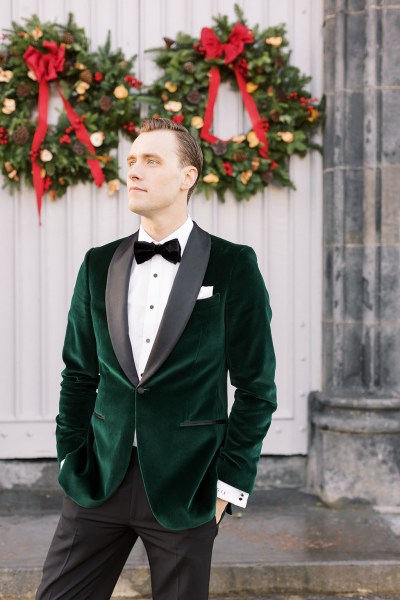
{"x":182,"y":298}
{"x":117,"y":287}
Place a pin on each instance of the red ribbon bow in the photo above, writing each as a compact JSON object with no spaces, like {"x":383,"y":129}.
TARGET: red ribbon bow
{"x":214,"y":48}
{"x":46,"y":68}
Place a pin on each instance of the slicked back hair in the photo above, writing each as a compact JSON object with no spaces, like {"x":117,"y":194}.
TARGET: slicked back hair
{"x":189,"y":150}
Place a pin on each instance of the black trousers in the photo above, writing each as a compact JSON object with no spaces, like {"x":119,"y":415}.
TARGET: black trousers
{"x":91,"y":545}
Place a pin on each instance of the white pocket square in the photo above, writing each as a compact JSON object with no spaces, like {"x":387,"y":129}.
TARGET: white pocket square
{"x":205,"y":292}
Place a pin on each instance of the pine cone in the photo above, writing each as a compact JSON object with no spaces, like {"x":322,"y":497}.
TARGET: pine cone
{"x":193,"y":97}
{"x":266,"y":177}
{"x":219,"y":147}
{"x":239,"y":156}
{"x":189,"y":67}
{"x":275,"y":115}
{"x":68,"y":38}
{"x":67,"y":65}
{"x":78,"y":148}
{"x":168,"y":42}
{"x":105,"y":103}
{"x":24,"y":89}
{"x":86,"y":75}
{"x":21,"y":135}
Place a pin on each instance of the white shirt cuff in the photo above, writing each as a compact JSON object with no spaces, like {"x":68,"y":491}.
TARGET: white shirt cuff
{"x":231,"y":494}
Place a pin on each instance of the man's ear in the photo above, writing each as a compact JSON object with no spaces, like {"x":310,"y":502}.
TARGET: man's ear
{"x":189,"y":177}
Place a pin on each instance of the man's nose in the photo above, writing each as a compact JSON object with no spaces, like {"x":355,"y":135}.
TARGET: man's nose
{"x":135,"y":172}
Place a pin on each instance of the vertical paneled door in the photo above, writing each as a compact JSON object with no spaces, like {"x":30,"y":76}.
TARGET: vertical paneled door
{"x":39,"y":265}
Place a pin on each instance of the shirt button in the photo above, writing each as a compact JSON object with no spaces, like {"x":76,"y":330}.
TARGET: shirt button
{"x":155,"y":275}
{"x":147,"y":340}
{"x":151,"y":305}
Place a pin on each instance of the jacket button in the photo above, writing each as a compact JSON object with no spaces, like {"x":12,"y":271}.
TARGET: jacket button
{"x":140,"y":390}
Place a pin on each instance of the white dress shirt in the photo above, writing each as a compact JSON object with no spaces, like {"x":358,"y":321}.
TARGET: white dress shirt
{"x":149,"y":287}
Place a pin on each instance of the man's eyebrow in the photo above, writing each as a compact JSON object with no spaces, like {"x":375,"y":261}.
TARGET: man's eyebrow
{"x":146,"y":155}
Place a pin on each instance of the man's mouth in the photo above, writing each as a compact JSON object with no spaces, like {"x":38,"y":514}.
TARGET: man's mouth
{"x":137,"y":189}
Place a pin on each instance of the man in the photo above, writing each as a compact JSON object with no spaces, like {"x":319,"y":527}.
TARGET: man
{"x":144,"y":442}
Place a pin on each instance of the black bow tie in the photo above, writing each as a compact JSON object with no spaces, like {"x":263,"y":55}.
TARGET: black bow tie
{"x":170,"y":250}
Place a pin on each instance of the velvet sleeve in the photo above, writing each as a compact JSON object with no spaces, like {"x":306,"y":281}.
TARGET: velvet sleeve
{"x":80,"y":376}
{"x":251,"y":364}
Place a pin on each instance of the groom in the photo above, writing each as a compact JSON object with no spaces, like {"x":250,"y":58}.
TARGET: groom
{"x":144,"y":442}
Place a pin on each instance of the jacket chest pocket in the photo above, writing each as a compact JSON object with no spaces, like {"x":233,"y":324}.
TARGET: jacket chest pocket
{"x":207,"y":304}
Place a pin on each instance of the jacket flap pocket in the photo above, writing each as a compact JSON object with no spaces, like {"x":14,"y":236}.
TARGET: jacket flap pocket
{"x":195,"y":423}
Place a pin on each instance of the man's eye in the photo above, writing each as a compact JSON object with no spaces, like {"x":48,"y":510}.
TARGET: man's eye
{"x":152,"y":160}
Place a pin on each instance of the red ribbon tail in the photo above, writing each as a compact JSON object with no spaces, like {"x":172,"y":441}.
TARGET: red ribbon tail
{"x":38,"y":182}
{"x":96,"y":171}
{"x":253,"y":114}
{"x":83,"y":136}
{"x":40,"y":133}
{"x":215,"y":79}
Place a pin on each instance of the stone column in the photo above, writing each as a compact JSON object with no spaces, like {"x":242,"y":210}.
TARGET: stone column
{"x":355,"y":420}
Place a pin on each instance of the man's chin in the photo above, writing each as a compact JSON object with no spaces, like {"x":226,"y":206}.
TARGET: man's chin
{"x":136,"y":207}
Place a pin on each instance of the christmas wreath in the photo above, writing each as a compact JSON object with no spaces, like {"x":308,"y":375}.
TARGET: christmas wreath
{"x":282,"y":113}
{"x":98,"y":103}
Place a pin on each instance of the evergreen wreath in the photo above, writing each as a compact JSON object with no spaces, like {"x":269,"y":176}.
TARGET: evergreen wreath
{"x":95,"y":88}
{"x":281,"y":110}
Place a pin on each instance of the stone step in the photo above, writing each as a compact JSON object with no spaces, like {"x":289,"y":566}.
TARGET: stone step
{"x":291,"y":597}
{"x":340,"y":580}
{"x":286,"y":542}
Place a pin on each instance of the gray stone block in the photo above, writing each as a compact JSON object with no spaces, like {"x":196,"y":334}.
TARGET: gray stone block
{"x":354,"y":286}
{"x":342,"y":356}
{"x":356,"y":5}
{"x":344,"y":211}
{"x":390,"y":46}
{"x":343,"y":263}
{"x":329,"y":133}
{"x":327,"y":305}
{"x":328,"y":196}
{"x":329,"y":64}
{"x":390,"y":211}
{"x":351,"y":356}
{"x":330,"y":7}
{"x":353,"y":148}
{"x":353,"y":438}
{"x":354,"y":195}
{"x":327,"y":353}
{"x":389,"y":357}
{"x":390,"y":134}
{"x":349,"y":461}
{"x":339,"y":199}
{"x":344,"y":146}
{"x":355,"y":50}
{"x":390,"y":285}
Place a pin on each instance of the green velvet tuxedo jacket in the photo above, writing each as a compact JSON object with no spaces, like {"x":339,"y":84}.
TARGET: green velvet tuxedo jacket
{"x":179,"y":407}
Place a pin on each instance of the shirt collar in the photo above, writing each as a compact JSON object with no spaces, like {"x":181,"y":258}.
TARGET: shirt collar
{"x":182,"y":233}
